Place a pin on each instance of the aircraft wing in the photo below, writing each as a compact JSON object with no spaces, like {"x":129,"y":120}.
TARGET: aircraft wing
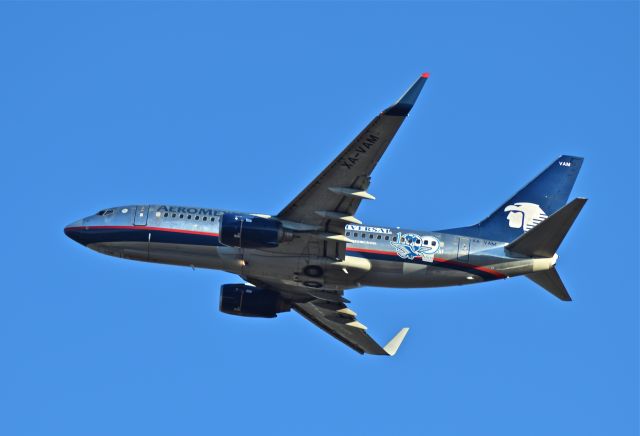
{"x":340,"y":322}
{"x":328,"y":310}
{"x":331,"y":199}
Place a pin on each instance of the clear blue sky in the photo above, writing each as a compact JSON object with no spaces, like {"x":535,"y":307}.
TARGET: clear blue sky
{"x":239,"y":106}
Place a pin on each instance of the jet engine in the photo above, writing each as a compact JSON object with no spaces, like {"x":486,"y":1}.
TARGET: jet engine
{"x":243,"y":300}
{"x":248,"y":231}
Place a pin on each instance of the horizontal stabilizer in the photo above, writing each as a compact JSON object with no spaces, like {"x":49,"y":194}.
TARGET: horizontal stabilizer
{"x":551,"y":281}
{"x":544,"y":239}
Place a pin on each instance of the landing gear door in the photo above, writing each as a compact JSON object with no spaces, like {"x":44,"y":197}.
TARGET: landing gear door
{"x":463,"y":250}
{"x":140,"y":218}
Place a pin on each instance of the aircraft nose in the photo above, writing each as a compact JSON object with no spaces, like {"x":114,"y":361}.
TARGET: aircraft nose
{"x":74,"y":231}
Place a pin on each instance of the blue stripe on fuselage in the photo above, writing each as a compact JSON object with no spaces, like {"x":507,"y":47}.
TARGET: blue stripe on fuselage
{"x":94,"y":235}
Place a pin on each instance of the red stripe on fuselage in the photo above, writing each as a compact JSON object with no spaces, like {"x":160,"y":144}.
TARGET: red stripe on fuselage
{"x":367,"y":250}
{"x":476,"y":267}
{"x":437,"y":259}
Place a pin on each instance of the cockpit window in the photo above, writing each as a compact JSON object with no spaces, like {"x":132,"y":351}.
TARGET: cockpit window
{"x":105,"y":212}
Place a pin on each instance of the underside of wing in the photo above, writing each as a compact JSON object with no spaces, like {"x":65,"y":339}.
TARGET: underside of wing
{"x":327,"y":309}
{"x":341,"y":323}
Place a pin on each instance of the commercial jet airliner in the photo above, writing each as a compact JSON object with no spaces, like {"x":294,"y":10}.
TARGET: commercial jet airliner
{"x":305,"y":257}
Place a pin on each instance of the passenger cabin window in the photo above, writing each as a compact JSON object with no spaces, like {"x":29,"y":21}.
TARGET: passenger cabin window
{"x":433,"y":243}
{"x":364,"y":235}
{"x":188,"y":217}
{"x":204,"y":218}
{"x":348,"y":233}
{"x":386,"y":238}
{"x":173,"y":215}
{"x":181,"y":215}
{"x":379,"y":236}
{"x":197,"y":217}
{"x":355,"y":235}
{"x":371,"y":236}
{"x":395,"y":238}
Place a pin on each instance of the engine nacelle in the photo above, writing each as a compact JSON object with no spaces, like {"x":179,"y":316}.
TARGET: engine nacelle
{"x":248,"y":231}
{"x":243,"y":300}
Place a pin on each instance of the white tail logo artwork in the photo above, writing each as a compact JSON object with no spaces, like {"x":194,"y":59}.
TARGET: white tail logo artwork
{"x":524,"y":215}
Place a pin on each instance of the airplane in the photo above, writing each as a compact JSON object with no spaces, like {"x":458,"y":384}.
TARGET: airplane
{"x":305,"y":257}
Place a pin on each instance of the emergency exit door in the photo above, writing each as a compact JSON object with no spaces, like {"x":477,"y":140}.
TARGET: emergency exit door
{"x":141,"y":216}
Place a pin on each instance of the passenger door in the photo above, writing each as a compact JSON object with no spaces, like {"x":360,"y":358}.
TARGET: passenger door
{"x":140,"y":218}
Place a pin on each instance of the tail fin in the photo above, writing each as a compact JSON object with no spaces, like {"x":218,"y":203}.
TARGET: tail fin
{"x":551,"y":281}
{"x":544,"y":239}
{"x":543,"y":196}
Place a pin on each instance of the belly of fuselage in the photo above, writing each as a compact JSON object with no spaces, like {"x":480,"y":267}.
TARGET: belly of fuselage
{"x":418,"y":274}
{"x":199,"y":256}
{"x":383,"y":273}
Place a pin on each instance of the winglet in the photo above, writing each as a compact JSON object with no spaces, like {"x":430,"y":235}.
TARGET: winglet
{"x":403,"y":106}
{"x":392,"y":347}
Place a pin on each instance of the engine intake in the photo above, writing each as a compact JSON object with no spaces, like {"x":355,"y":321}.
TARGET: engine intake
{"x":243,"y":300}
{"x":247,"y":231}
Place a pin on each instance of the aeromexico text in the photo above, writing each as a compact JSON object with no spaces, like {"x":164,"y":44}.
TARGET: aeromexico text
{"x":191,"y":210}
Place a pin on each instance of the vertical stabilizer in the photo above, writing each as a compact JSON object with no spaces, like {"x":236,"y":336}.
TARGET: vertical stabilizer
{"x":542,"y":197}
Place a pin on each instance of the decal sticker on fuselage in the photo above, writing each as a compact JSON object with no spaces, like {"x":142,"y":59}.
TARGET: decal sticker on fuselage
{"x":410,"y":245}
{"x":524,"y":215}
